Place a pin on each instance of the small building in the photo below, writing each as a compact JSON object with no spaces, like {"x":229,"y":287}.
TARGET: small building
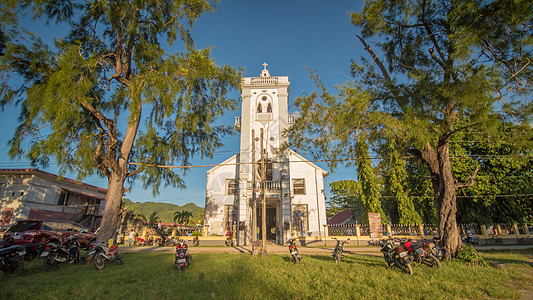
{"x":342,"y":218}
{"x":293,"y":186}
{"x":34,"y":194}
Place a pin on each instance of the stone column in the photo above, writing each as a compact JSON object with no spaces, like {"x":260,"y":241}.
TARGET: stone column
{"x":206,"y":230}
{"x":326,"y":233}
{"x":357,"y":232}
{"x":421,"y":230}
{"x":516,"y":231}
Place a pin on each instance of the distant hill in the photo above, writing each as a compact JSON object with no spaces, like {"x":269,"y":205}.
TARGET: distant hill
{"x":165,"y":211}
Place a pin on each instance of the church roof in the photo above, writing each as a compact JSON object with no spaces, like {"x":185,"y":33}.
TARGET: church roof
{"x":307,"y":161}
{"x":230,"y":160}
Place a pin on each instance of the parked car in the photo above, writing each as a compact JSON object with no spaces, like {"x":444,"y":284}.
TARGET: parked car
{"x":2,"y":230}
{"x":46,"y":231}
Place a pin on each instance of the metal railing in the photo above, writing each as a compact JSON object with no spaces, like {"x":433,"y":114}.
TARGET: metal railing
{"x":270,"y":185}
{"x":264,"y":80}
{"x":507,"y":231}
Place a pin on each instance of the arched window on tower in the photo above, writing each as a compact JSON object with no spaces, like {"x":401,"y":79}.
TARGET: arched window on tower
{"x":259,"y":108}
{"x":269,"y":108}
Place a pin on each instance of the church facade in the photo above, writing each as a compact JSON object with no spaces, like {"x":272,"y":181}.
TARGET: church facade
{"x":292,"y":187}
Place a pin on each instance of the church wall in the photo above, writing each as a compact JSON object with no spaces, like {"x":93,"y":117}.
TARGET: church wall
{"x":314,"y":196}
{"x":216,"y":197}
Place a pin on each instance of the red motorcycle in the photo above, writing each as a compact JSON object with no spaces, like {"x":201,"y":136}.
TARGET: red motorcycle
{"x":421,"y":253}
{"x":295,"y":255}
{"x":182,"y":256}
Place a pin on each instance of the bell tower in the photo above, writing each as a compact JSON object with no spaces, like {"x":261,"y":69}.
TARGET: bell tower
{"x":264,"y":118}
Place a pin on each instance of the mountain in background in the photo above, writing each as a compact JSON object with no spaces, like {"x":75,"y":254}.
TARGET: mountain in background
{"x":165,"y":211}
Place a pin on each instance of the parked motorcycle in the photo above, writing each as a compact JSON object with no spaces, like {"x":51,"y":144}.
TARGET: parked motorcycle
{"x":229,"y":241}
{"x":55,"y":253}
{"x":471,"y":240}
{"x":32,"y":249}
{"x":103,"y":253}
{"x":395,"y":256}
{"x":435,"y":249}
{"x":337,"y":252}
{"x":295,"y":255}
{"x":181,"y":261}
{"x":171,"y":242}
{"x":12,"y":260}
{"x":421,"y":254}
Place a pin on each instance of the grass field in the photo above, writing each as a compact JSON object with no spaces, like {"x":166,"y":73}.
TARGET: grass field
{"x":233,"y":276}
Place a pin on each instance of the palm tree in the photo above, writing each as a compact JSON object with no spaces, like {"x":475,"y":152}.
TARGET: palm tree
{"x":182,"y":217}
{"x":153,"y":218}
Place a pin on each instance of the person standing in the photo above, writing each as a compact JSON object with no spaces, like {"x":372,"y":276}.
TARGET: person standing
{"x":130,"y":237}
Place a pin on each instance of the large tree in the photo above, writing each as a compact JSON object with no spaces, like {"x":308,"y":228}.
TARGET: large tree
{"x":110,"y":92}
{"x":431,"y":62}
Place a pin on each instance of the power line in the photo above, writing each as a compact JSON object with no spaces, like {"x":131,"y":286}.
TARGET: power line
{"x":317,"y":160}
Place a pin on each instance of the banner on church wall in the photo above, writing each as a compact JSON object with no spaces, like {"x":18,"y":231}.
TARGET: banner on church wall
{"x":374,"y":222}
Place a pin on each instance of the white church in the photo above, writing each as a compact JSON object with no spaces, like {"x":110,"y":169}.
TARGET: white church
{"x":294,"y":187}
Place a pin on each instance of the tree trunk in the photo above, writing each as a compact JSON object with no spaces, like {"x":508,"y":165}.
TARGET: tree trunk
{"x":445,"y":198}
{"x":113,"y":200}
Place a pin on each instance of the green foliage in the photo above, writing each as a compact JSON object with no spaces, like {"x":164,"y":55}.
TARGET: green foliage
{"x":345,"y":195}
{"x":432,"y":63}
{"x":470,"y":256}
{"x":502,"y":192}
{"x":396,"y":185}
{"x":419,"y":183}
{"x":165,"y":211}
{"x":182,"y":217}
{"x":90,"y":92}
{"x":370,"y":191}
{"x":153,"y":219}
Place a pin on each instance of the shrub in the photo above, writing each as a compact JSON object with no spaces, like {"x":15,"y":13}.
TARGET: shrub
{"x":469,"y":255}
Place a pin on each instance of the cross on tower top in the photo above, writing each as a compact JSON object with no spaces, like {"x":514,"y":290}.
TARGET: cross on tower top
{"x":264,"y":72}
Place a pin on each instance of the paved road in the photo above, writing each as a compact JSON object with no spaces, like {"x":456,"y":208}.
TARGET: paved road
{"x":277,"y":249}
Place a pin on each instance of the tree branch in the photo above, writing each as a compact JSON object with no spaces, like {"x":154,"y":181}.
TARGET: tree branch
{"x":470,"y":181}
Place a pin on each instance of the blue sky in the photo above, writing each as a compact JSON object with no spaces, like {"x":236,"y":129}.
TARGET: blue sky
{"x":290,"y":36}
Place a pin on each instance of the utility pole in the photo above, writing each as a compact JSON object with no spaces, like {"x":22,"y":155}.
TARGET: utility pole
{"x":263,"y":188}
{"x":254,"y":204}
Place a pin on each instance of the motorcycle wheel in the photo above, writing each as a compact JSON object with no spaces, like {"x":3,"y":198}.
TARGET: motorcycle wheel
{"x":297,"y":259}
{"x":338,"y":257}
{"x":438,"y":253}
{"x":14,"y":266}
{"x":50,"y":263}
{"x":387,"y":259}
{"x":432,"y":261}
{"x":99,"y":261}
{"x":178,"y":267}
{"x":406,"y":266}
{"x":119,"y":258}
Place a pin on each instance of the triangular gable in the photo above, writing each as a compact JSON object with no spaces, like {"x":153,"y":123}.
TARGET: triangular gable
{"x":307,"y":161}
{"x":231,"y":160}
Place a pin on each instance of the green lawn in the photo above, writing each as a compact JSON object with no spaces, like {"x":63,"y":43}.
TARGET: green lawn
{"x":232,"y":276}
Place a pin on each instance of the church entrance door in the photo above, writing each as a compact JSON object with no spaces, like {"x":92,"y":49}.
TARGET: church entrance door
{"x":271,"y":219}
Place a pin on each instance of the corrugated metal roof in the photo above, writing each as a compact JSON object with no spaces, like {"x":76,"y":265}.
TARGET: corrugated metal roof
{"x":341,"y":217}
